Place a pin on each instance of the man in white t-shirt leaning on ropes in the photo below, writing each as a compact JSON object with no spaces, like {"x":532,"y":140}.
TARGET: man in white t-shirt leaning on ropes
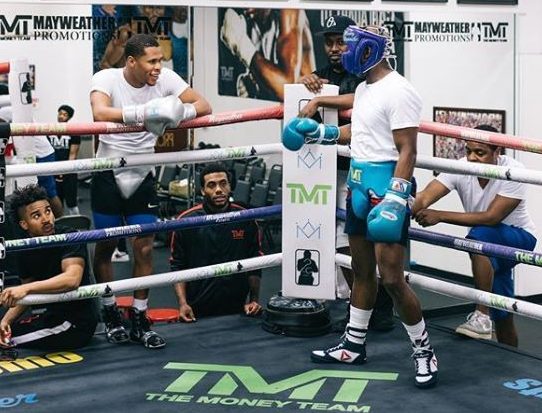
{"x":496,"y":211}
{"x":140,"y":92}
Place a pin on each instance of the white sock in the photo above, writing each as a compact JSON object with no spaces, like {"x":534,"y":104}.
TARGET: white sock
{"x":356,"y":330}
{"x":140,"y":304}
{"x":418,"y":335}
{"x":109,"y":300}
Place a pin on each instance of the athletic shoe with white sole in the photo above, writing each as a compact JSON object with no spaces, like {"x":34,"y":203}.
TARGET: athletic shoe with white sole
{"x":426,"y":366}
{"x":344,"y":352}
{"x":478,"y":325}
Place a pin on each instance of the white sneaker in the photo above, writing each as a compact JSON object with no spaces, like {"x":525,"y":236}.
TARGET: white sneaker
{"x":478,"y":325}
{"x":120,"y":256}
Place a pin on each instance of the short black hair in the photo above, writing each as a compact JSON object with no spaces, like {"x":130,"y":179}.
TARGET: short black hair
{"x":489,"y":128}
{"x":215,"y":167}
{"x":68,"y":109}
{"x":135,"y":46}
{"x":25,"y":196}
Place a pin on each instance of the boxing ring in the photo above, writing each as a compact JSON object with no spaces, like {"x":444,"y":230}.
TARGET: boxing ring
{"x":230,"y":363}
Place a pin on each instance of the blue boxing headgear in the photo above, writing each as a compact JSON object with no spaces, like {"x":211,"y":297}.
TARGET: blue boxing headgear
{"x":358,"y":41}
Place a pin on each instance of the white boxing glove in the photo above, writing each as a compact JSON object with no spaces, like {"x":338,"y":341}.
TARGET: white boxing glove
{"x":234,"y":35}
{"x":159,"y":114}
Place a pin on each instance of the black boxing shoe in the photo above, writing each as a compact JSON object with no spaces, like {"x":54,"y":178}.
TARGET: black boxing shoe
{"x":141,"y":330}
{"x":426,"y":366}
{"x":344,"y":352}
{"x":114,"y":330}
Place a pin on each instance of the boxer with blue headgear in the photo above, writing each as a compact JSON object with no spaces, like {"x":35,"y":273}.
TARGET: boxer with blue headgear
{"x":365,"y":49}
{"x":385,"y":118}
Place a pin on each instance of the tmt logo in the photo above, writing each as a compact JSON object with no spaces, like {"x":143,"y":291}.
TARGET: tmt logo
{"x":160,"y":27}
{"x":318,"y":195}
{"x":304,"y":386}
{"x":489,"y":32}
{"x":17,"y":27}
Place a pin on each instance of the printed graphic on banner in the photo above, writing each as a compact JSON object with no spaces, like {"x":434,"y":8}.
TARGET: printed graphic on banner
{"x":457,"y":32}
{"x":2,"y":212}
{"x":169,"y":25}
{"x":308,"y":267}
{"x":308,"y":159}
{"x":306,"y":194}
{"x":308,"y":208}
{"x":25,"y":84}
{"x":254,"y":43}
{"x":2,"y":177}
{"x":308,"y":230}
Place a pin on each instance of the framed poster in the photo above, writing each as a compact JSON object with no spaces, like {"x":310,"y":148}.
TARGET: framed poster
{"x":451,"y":148}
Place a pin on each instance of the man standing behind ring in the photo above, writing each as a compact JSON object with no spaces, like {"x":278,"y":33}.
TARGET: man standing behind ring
{"x":383,"y":134}
{"x":66,"y":149}
{"x":140,"y":92}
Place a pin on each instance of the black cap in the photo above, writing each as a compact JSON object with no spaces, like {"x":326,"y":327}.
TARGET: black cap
{"x":336,"y":24}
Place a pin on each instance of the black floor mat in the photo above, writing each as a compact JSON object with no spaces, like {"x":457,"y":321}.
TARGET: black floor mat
{"x":230,"y":364}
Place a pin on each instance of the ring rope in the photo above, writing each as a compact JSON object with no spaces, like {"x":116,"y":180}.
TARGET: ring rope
{"x":102,"y":164}
{"x":101,"y":128}
{"x":477,"y":247}
{"x":471,"y":134}
{"x":528,"y":176}
{"x":513,"y":305}
{"x":141,"y":229}
{"x":157,"y":280}
{"x":468,"y":245}
{"x":4,"y":68}
{"x":273,"y":112}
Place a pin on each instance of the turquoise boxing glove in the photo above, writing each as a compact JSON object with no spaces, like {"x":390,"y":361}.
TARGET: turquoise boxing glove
{"x":299,"y":131}
{"x":386,"y":220}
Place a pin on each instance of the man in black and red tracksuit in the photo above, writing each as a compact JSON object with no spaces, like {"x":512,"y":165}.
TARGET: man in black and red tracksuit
{"x":199,"y":247}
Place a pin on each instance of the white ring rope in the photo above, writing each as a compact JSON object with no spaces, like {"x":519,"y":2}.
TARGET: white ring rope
{"x":152,"y":159}
{"x":157,"y":280}
{"x":458,"y":291}
{"x":528,"y":176}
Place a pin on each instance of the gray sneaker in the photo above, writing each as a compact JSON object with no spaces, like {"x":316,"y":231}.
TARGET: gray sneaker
{"x":478,"y":325}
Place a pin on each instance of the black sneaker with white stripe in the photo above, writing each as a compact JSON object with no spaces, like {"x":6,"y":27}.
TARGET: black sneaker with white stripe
{"x":141,"y":330}
{"x":426,"y":367}
{"x":344,"y":352}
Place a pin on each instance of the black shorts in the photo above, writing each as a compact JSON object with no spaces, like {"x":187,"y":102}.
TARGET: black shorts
{"x":50,"y":330}
{"x":106,"y":199}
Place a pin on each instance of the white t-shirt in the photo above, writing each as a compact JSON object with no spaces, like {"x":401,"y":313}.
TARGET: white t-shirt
{"x":42,"y":146}
{"x":476,"y":199}
{"x":112,"y":83}
{"x":379,"y":108}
